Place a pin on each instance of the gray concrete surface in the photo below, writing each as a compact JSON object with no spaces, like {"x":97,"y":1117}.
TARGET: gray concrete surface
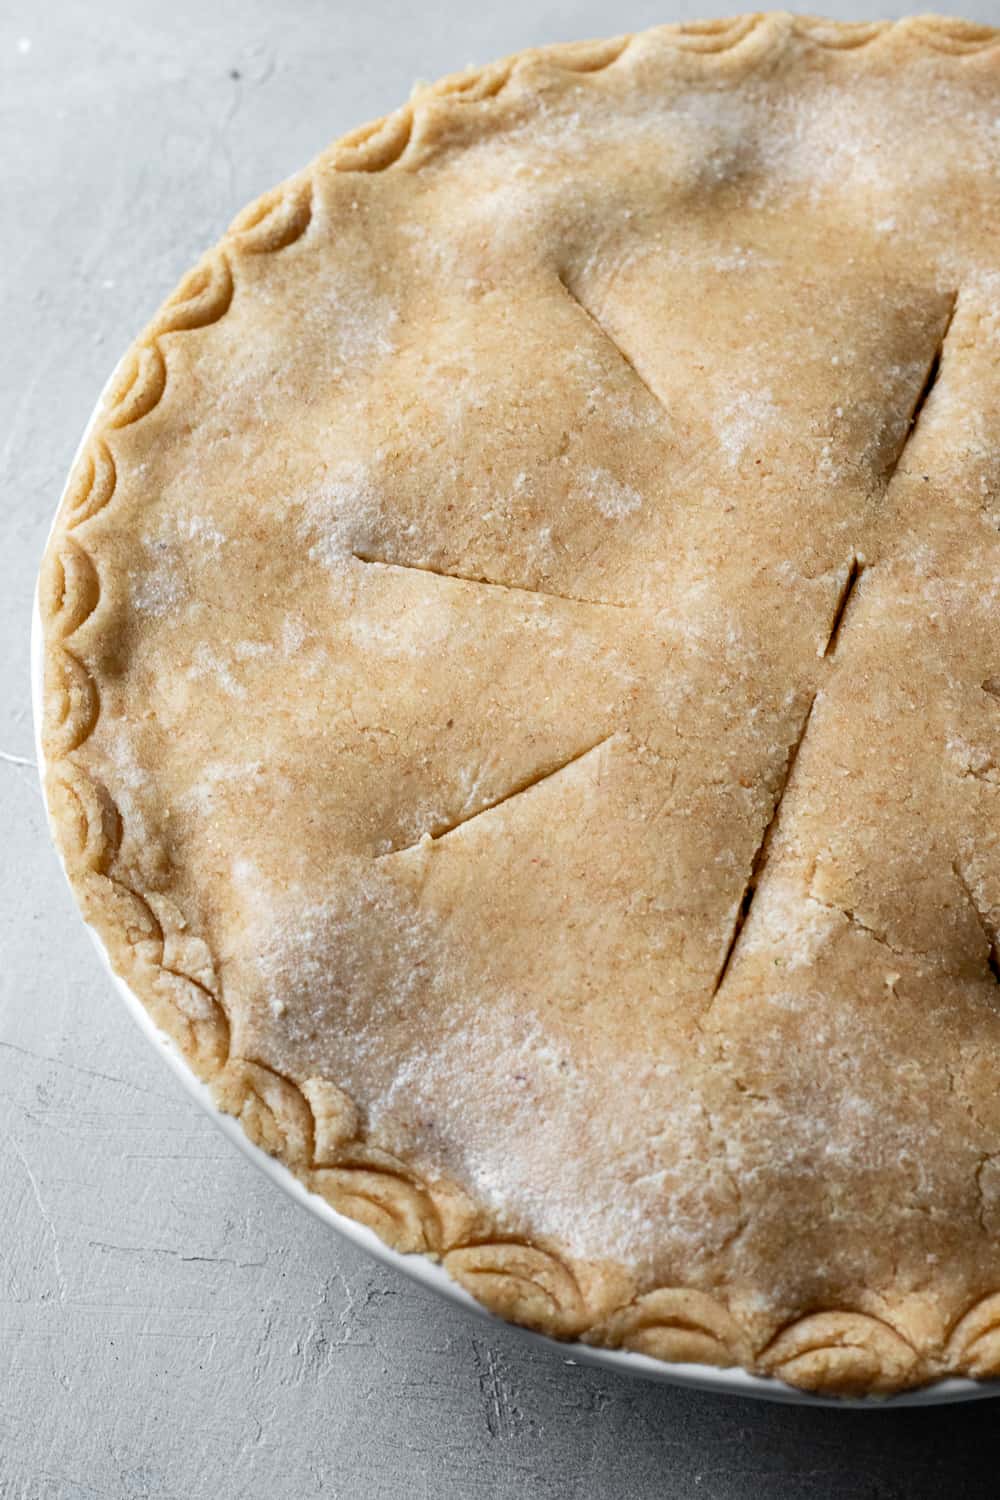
{"x":171,"y":1327}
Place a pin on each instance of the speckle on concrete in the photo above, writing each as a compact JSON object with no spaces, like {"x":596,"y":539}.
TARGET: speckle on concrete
{"x":171,"y":1327}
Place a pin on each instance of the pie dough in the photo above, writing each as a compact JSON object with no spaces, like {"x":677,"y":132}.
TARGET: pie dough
{"x":522,"y":688}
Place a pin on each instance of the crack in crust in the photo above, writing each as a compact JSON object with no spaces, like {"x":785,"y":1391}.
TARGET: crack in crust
{"x":312,"y":1126}
{"x":989,"y":935}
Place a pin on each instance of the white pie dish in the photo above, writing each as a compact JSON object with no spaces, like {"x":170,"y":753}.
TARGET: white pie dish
{"x":731,"y":1381}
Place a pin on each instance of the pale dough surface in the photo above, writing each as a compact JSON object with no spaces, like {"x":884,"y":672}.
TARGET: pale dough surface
{"x":524,"y":688}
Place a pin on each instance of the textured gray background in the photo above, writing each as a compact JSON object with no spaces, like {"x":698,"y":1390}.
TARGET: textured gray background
{"x":170,"y":1325}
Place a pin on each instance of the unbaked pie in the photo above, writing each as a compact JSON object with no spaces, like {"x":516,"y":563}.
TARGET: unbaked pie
{"x":522,"y":688}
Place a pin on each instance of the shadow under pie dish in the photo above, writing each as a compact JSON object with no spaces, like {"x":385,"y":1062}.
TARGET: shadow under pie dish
{"x":522,"y":689}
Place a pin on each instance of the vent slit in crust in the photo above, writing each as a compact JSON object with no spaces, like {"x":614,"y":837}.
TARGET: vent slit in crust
{"x":435,"y":835}
{"x":759,"y":860}
{"x":493,"y":583}
{"x":929,"y":382}
{"x":854,"y":573}
{"x":625,"y":358}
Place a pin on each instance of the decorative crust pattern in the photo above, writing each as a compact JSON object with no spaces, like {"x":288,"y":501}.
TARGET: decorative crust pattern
{"x":313,"y":1126}
{"x":523,"y":1283}
{"x":974,"y":1346}
{"x":378,"y":1190}
{"x":676,"y":1324}
{"x":844,"y":1351}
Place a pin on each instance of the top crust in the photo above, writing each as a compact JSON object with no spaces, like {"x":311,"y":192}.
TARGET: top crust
{"x":522,"y":688}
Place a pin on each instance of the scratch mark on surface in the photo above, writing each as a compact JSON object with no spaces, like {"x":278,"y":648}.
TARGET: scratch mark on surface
{"x":17,"y":760}
{"x":210,"y":1260}
{"x":70,"y":1067}
{"x":47,"y":1219}
{"x":497,"y":1409}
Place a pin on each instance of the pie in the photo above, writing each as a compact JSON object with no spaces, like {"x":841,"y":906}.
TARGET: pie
{"x":522,"y":688}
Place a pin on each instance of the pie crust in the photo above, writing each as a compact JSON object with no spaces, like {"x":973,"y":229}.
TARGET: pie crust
{"x":522,"y":688}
